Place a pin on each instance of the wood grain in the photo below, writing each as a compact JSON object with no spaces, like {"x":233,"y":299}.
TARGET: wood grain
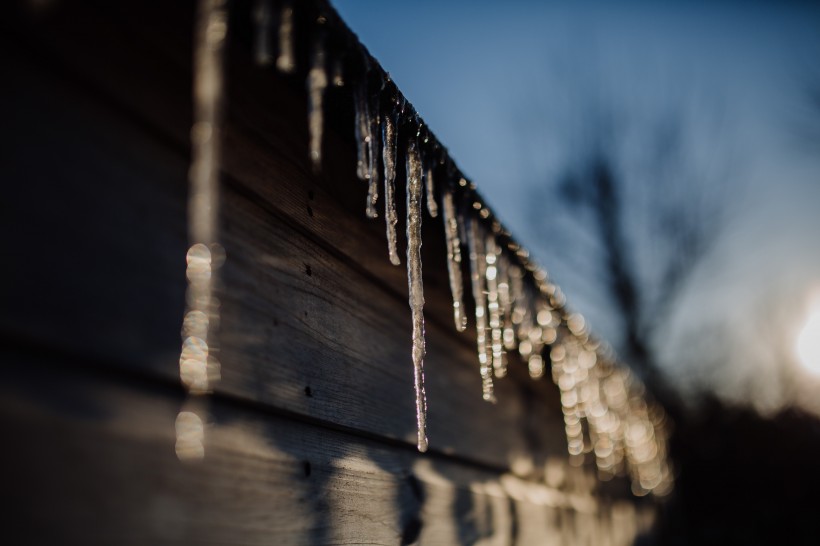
{"x":313,"y":422}
{"x":96,"y":456}
{"x":341,"y":331}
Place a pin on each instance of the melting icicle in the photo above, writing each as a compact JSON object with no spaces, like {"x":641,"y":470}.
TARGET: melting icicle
{"x":367,"y":139}
{"x":477,"y":276}
{"x":389,"y":157}
{"x":317,"y":83}
{"x":262,"y":19}
{"x":414,"y":280}
{"x":199,"y":367}
{"x":535,"y":336}
{"x":606,"y":413}
{"x":432,"y":207}
{"x":286,"y":61}
{"x":517,"y":303}
{"x":362,"y":132}
{"x":373,"y":122}
{"x":454,"y":259}
{"x":493,"y":309}
{"x":505,"y":302}
{"x":528,"y":334}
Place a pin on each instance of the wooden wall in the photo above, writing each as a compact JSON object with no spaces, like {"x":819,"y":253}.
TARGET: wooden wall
{"x":310,"y":435}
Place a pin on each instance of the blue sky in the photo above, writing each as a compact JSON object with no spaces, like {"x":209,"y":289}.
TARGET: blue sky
{"x":520,"y":91}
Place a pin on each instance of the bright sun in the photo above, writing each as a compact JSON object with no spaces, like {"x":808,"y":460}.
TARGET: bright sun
{"x":808,"y":341}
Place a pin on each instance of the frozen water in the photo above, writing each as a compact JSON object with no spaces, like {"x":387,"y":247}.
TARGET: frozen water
{"x":491,"y":256}
{"x":415,"y":284}
{"x":362,"y":128}
{"x":432,"y":206}
{"x":477,"y":278}
{"x":454,"y":259}
{"x":373,"y":130}
{"x":389,"y":157}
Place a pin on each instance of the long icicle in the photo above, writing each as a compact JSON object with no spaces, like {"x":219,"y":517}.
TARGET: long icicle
{"x":362,"y":132}
{"x":493,"y":307}
{"x":505,"y":302}
{"x":317,"y":83}
{"x":454,"y":258}
{"x":517,"y":304}
{"x":389,"y":157}
{"x":432,"y":207}
{"x":199,"y":367}
{"x":373,"y":142}
{"x":415,"y":284}
{"x":477,"y":264}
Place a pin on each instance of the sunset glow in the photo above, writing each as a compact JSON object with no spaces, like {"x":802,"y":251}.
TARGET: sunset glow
{"x":808,"y":341}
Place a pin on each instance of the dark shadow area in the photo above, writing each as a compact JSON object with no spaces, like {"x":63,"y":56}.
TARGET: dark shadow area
{"x":743,"y":479}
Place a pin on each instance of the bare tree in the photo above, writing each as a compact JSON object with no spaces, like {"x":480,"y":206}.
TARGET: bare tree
{"x":650,"y":215}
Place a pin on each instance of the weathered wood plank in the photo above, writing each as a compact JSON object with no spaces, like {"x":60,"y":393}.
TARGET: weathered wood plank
{"x":265,"y":138}
{"x":117,"y":294}
{"x":266,"y":133}
{"x":342,"y":331}
{"x":94,"y":463}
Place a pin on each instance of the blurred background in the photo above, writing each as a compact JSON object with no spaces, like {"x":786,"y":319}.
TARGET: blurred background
{"x":662,"y":162}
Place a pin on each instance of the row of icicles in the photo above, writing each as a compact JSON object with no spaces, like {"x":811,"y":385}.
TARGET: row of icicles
{"x":517,"y":309}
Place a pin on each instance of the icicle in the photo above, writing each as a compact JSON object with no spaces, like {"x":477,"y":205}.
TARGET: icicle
{"x":477,"y":276}
{"x":535,"y":362}
{"x":389,"y":157}
{"x":286,"y":61}
{"x":517,"y":302}
{"x":527,"y":333}
{"x":569,"y":379}
{"x":432,"y":207}
{"x":373,"y":123}
{"x":363,"y":136}
{"x":317,"y":83}
{"x":493,"y":309}
{"x":414,"y":280}
{"x":454,"y":259}
{"x":505,"y":302}
{"x":199,"y":367}
{"x":262,"y":19}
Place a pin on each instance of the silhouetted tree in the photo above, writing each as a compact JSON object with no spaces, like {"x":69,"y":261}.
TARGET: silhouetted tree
{"x":643,"y":228}
{"x":650,"y":220}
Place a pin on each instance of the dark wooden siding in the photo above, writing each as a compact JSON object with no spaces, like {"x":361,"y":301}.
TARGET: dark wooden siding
{"x":311,"y":434}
